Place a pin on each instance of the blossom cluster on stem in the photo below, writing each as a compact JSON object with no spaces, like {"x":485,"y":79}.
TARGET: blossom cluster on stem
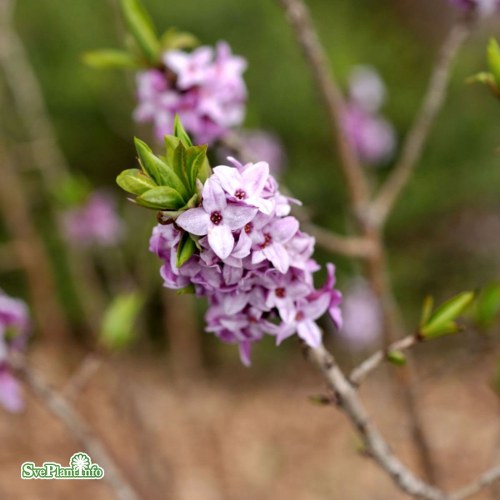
{"x":370,"y":134}
{"x":14,"y":330}
{"x":205,"y":88}
{"x":253,"y":263}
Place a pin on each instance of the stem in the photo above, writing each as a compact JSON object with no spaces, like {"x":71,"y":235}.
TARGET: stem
{"x":300,"y":21}
{"x":65,"y":412}
{"x":377,"y":447}
{"x":369,"y":364}
{"x":419,"y":132}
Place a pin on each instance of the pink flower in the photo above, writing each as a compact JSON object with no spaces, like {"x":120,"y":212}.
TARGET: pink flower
{"x":217,"y":219}
{"x":95,"y":222}
{"x":204,"y":87}
{"x":253,"y":264}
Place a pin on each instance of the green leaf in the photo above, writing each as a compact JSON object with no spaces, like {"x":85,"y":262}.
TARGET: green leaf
{"x":442,"y":320}
{"x":196,"y":157}
{"x":396,"y":358}
{"x":494,"y":60}
{"x":110,"y":58}
{"x":174,"y":40}
{"x":483,"y":77}
{"x":181,"y":133}
{"x":159,"y":170}
{"x":117,"y":328}
{"x":171,"y":143}
{"x":142,"y":29}
{"x":488,"y":305}
{"x":161,"y":198}
{"x":135,"y":181}
{"x":426,"y":310}
{"x":185,"y":250}
{"x":180,"y":163}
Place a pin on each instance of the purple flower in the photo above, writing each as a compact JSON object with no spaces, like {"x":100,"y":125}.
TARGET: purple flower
{"x":372,"y":137}
{"x":217,"y":219}
{"x":204,"y":87}
{"x":96,"y":222}
{"x":362,"y":318}
{"x":246,"y":185}
{"x":252,"y":262}
{"x":14,"y":329}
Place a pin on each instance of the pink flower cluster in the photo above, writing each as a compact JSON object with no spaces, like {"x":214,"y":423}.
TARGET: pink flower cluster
{"x":95,"y":222}
{"x":371,"y":135}
{"x":14,"y":329}
{"x":204,"y":87}
{"x":254,"y":264}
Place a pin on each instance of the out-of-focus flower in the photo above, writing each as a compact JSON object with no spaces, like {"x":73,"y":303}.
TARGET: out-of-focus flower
{"x":96,"y":222}
{"x":483,"y":7}
{"x":371,"y":135}
{"x":253,"y":263}
{"x":204,"y":87}
{"x":362,"y":321}
{"x":262,"y":144}
{"x":14,"y":329}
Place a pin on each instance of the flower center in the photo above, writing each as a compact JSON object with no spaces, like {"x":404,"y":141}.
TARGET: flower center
{"x":299,"y":316}
{"x":216,"y":218}
{"x":248,"y":228}
{"x":280,"y":292}
{"x":268,"y":239}
{"x":240,"y":194}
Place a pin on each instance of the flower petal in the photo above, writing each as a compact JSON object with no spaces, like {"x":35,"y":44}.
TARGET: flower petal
{"x":194,"y":221}
{"x":309,"y":331}
{"x":284,"y":229}
{"x":229,"y":178}
{"x":236,"y":216}
{"x":221,"y":240}
{"x":214,"y":198}
{"x":255,"y":177}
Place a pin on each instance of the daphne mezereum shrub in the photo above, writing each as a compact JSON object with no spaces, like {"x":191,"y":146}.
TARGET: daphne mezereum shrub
{"x":14,"y":330}
{"x":227,"y":234}
{"x":204,"y":88}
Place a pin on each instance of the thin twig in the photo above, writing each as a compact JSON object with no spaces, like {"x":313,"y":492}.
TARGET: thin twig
{"x":419,"y":132}
{"x":376,"y":446}
{"x":86,"y":369}
{"x":300,"y":20}
{"x":369,"y":364}
{"x":350,"y":246}
{"x":65,"y":412}
{"x":485,"y":480}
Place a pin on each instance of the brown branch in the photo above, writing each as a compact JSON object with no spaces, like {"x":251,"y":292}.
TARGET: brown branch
{"x":372,"y":362}
{"x":31,"y":253}
{"x":315,"y":55}
{"x":485,"y":480}
{"x":64,"y":411}
{"x":419,"y":132}
{"x":376,"y":446}
{"x":350,"y":246}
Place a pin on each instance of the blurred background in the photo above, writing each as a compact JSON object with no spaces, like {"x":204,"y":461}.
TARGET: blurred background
{"x":177,"y":411}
